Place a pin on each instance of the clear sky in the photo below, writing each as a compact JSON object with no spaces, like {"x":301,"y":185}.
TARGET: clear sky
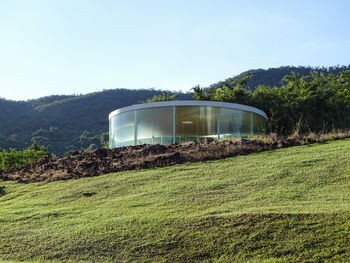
{"x":80,"y":46}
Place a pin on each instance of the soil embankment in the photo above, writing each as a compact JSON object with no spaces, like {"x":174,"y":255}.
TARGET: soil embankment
{"x":103,"y":161}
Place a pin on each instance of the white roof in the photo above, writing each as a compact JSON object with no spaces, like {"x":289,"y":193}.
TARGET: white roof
{"x":188,"y":103}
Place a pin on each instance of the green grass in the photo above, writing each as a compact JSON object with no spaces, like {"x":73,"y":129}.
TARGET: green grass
{"x":286,"y":205}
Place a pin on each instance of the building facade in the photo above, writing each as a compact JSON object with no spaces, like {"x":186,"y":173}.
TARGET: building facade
{"x":179,"y":121}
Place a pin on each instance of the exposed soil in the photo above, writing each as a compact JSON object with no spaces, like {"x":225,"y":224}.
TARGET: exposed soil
{"x":103,"y":161}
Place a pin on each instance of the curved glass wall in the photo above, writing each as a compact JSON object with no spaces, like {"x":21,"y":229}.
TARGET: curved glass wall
{"x":175,"y":124}
{"x":194,"y":123}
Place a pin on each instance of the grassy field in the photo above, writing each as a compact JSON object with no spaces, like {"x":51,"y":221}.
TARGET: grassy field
{"x":288,"y":205}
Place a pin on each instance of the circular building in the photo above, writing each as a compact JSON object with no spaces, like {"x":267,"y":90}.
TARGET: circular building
{"x":169,"y":122}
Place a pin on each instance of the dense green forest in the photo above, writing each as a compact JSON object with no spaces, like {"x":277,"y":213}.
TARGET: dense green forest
{"x":65,"y":123}
{"x":273,"y":77}
{"x":72,"y":122}
{"x":303,"y":104}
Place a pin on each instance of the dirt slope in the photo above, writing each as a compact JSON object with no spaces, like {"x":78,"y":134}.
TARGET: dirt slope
{"x":103,"y":161}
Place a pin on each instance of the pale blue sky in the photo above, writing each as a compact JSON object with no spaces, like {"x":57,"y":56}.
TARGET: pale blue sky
{"x":80,"y":46}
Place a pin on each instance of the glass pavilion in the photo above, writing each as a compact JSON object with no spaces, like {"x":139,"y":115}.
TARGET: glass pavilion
{"x":179,"y":121}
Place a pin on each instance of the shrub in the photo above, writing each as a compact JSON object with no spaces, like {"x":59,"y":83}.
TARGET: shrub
{"x":2,"y":190}
{"x":14,"y":159}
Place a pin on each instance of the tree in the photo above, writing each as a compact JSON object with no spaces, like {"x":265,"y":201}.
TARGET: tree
{"x":165,"y":96}
{"x":316,"y":102}
{"x":13,"y":158}
{"x":104,"y":139}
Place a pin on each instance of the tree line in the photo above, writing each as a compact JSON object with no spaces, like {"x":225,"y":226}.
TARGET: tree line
{"x":317,"y":102}
{"x":64,"y":123}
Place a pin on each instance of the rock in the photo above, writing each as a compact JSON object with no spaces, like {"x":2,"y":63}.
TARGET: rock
{"x":101,"y":152}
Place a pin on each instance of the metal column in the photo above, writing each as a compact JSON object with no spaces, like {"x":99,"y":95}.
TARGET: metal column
{"x":174,"y":126}
{"x":135,"y":127}
{"x":218,"y":122}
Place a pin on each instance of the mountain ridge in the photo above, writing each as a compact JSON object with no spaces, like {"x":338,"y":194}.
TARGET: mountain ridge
{"x":65,"y":123}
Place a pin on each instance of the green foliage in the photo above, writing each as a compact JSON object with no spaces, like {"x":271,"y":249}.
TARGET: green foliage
{"x":13,"y":159}
{"x":2,"y":190}
{"x":104,"y":140}
{"x":92,"y":147}
{"x":58,"y":122}
{"x":332,"y":136}
{"x":273,"y":76}
{"x":314,"y":103}
{"x":164,"y":96}
{"x":288,"y":205}
{"x":201,"y":93}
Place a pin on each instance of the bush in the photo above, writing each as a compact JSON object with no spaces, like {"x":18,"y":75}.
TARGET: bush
{"x":14,"y":159}
{"x":2,"y":190}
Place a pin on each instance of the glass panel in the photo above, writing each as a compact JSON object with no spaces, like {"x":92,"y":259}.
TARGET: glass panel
{"x":124,"y":129}
{"x":238,"y":123}
{"x":246,"y":128}
{"x":111,"y":134}
{"x":144,"y":126}
{"x":231,"y":123}
{"x":195,"y":123}
{"x":163,"y":125}
{"x":154,"y":126}
{"x":226,"y":123}
{"x":259,"y":124}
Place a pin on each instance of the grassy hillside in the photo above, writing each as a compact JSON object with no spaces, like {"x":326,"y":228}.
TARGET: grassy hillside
{"x":280,"y":206}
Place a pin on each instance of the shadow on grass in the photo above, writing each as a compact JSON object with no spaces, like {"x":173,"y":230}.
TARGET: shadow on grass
{"x":2,"y":190}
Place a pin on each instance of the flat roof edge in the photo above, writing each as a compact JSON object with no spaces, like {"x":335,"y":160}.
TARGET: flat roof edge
{"x":187,"y":103}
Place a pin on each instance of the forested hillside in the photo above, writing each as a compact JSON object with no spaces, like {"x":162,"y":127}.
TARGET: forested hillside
{"x":65,"y":123}
{"x":273,"y":76}
{"x":72,"y":122}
